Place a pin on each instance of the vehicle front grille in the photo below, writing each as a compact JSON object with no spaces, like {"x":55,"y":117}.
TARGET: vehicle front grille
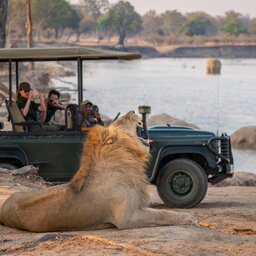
{"x":225,"y":147}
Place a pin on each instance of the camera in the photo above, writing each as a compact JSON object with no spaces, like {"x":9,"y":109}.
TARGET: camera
{"x":94,"y":111}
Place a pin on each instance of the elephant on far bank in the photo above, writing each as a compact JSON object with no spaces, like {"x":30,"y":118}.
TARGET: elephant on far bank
{"x":213,"y":66}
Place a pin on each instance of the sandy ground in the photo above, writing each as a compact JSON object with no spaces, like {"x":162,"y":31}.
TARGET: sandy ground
{"x":227,"y":219}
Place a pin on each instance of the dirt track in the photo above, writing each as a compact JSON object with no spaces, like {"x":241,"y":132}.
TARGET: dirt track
{"x":227,"y":217}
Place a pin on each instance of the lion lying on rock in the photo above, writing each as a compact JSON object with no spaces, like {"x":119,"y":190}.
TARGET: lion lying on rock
{"x":110,"y":189}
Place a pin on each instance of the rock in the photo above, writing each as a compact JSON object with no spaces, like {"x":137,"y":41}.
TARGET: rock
{"x":26,"y":170}
{"x":244,"y":138}
{"x":246,"y":179}
{"x":163,"y":119}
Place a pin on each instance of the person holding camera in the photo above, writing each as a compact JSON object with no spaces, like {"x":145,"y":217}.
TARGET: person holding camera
{"x":89,"y":115}
{"x":96,"y":115}
{"x":31,"y":110}
{"x":53,"y":104}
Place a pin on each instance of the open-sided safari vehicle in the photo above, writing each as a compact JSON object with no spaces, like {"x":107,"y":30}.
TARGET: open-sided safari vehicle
{"x":183,"y":160}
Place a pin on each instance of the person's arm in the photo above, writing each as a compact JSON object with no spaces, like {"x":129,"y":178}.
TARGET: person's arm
{"x":61,"y":106}
{"x":98,"y":118}
{"x":58,"y":105}
{"x":42,"y":108}
{"x":25,"y":110}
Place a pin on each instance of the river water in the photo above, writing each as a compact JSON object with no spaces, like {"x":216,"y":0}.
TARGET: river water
{"x":180,"y":88}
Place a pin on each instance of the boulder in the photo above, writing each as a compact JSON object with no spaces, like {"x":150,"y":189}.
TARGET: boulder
{"x":246,"y":179}
{"x":244,"y":138}
{"x":164,"y":119}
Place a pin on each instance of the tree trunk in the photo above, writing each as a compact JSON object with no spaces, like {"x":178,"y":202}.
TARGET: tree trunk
{"x":3,"y":16}
{"x":29,"y":24}
{"x":56,"y":33}
{"x":78,"y":34}
{"x":29,"y":30}
{"x":122,"y":36}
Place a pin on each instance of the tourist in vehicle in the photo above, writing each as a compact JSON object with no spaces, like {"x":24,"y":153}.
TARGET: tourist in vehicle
{"x":53,"y":104}
{"x":89,"y":116}
{"x":31,"y":110}
{"x":96,"y":114}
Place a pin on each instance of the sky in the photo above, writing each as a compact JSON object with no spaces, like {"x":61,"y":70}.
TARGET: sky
{"x":212,"y":7}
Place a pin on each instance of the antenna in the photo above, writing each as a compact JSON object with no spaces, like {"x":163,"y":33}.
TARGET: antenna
{"x":218,"y":103}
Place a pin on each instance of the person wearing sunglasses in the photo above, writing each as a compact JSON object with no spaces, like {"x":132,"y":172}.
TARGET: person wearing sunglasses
{"x":31,"y":110}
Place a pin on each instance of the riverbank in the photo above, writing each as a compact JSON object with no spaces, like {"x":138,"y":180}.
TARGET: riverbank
{"x":219,"y":51}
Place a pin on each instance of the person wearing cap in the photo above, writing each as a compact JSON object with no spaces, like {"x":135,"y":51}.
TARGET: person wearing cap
{"x":31,"y":110}
{"x":86,"y":119}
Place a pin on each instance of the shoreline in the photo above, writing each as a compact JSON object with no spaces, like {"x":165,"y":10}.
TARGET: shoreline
{"x":218,"y":51}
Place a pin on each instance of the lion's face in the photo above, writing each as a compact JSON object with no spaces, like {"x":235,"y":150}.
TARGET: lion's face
{"x":129,"y":123}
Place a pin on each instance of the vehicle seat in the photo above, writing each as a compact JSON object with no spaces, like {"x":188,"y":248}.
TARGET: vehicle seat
{"x":71,"y":117}
{"x":19,"y":124}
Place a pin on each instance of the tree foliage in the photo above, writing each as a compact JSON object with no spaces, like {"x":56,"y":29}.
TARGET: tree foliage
{"x":3,"y":17}
{"x":234,"y":28}
{"x":17,"y":18}
{"x":121,"y":19}
{"x":197,"y":24}
{"x":151,"y":22}
{"x":234,"y":23}
{"x":172,"y":20}
{"x":252,"y":26}
{"x":52,"y":14}
{"x":60,"y":18}
{"x":94,"y":9}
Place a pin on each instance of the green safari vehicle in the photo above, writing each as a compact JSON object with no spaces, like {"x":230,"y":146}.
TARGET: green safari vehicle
{"x":183,"y":160}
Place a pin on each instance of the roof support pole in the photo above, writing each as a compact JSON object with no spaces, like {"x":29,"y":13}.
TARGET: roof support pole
{"x":10,"y":81}
{"x":80,"y":79}
{"x":17,"y":75}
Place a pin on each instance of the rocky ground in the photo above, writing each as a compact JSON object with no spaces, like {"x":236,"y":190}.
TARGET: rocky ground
{"x":227,"y":226}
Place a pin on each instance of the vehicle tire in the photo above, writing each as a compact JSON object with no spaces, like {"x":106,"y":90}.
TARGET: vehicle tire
{"x":8,"y":166}
{"x":182,"y":183}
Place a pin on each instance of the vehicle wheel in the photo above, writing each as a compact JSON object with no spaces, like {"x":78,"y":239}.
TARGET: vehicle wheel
{"x":182,"y":183}
{"x":8,"y":166}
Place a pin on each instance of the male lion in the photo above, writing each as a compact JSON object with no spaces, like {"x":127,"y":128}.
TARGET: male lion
{"x":114,"y":192}
{"x":128,"y":123}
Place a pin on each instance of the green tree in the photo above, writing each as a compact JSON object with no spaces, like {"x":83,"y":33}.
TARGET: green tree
{"x":172,"y":20}
{"x":231,"y":17}
{"x":16,"y":21}
{"x":234,"y":28}
{"x":52,"y":14}
{"x":234,"y":23}
{"x":95,"y":8}
{"x":197,"y":24}
{"x":121,"y":19}
{"x":252,"y":26}
{"x":3,"y":17}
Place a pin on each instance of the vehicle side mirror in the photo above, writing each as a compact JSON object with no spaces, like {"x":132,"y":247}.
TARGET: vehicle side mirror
{"x":1,"y":125}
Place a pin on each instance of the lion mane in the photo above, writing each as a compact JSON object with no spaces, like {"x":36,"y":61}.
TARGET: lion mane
{"x":109,"y":190}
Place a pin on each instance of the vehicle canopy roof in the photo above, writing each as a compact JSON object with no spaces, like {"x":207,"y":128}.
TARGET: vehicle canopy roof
{"x":79,"y":54}
{"x":62,"y":53}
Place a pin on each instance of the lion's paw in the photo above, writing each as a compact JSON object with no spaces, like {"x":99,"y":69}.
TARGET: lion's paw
{"x":188,"y":219}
